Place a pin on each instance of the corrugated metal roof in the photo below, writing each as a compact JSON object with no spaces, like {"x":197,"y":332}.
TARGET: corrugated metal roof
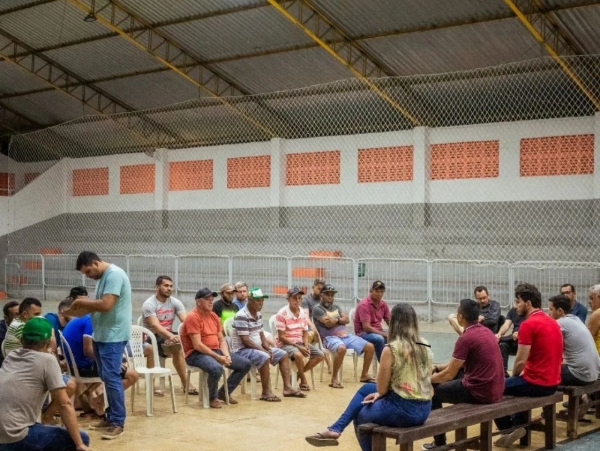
{"x":361,"y":17}
{"x":6,"y":5}
{"x":152,"y":90}
{"x":456,"y":48}
{"x":256,"y":30}
{"x":14,"y":80}
{"x":286,"y":71}
{"x":112,"y":56}
{"x":584,"y":24}
{"x":156,"y":11}
{"x":51,"y":107}
{"x":50,"y":24}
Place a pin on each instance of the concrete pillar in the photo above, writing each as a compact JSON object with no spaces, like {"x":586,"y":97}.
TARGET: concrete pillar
{"x":161,"y":188}
{"x":277,"y":181}
{"x":421,"y":162}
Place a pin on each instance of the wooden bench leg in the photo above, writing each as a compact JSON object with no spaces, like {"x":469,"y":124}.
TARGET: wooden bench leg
{"x":378,"y":442}
{"x":460,"y":434}
{"x":526,"y":440}
{"x":406,"y":447}
{"x":572,"y":416}
{"x":485,"y":436}
{"x":550,"y":426}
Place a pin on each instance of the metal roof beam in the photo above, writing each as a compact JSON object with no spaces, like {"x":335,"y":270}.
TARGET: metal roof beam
{"x":24,"y":7}
{"x":60,"y":79}
{"x":551,"y":37}
{"x":118,"y":19}
{"x":335,"y":42}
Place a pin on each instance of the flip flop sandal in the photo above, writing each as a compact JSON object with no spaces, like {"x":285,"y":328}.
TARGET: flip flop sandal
{"x":270,"y":398}
{"x":336,"y":385}
{"x":304,"y":387}
{"x":319,"y":440}
{"x":193,"y":391}
{"x":297,"y":394}
{"x":371,"y":379}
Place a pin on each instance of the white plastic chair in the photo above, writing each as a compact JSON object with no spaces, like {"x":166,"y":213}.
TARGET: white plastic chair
{"x":139,"y":364}
{"x":3,"y":348}
{"x":203,"y":396}
{"x":227,"y":327}
{"x":332,"y":357}
{"x":351,"y":315}
{"x":293,"y":367}
{"x":161,"y":360}
{"x":74,"y":371}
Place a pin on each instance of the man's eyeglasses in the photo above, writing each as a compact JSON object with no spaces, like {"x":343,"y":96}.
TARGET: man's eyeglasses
{"x":566,"y":292}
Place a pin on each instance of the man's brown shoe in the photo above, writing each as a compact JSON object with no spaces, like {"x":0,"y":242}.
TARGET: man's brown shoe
{"x":102,"y":424}
{"x":113,"y":432}
{"x":231,"y":400}
{"x":215,"y":404}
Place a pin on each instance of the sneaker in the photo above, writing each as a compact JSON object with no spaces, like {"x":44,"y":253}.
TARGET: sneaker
{"x":102,"y":424}
{"x":113,"y":432}
{"x":508,"y":439}
{"x":432,"y":445}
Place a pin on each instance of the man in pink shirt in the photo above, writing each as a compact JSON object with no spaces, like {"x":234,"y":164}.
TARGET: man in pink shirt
{"x":369,"y":313}
{"x":292,"y":336}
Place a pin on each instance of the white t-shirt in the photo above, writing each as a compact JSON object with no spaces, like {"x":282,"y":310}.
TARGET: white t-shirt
{"x":164,"y":311}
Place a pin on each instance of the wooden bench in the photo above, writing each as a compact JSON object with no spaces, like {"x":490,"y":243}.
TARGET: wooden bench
{"x":459,"y":417}
{"x":575,"y":407}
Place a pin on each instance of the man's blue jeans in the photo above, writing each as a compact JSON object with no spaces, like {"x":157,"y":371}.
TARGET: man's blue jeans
{"x":517,"y":386}
{"x":391,"y":410}
{"x":239,"y":366}
{"x":377,"y":340}
{"x":108,"y":360}
{"x":43,"y":437}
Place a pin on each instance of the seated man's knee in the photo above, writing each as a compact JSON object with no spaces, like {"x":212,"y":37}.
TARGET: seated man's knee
{"x":368,"y":347}
{"x":71,"y":386}
{"x":341,"y":349}
{"x":132,"y":375}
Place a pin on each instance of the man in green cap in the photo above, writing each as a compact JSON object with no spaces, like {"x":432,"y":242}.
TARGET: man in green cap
{"x":36,"y":372}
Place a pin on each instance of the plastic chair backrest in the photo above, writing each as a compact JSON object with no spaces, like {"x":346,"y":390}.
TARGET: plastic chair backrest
{"x":140,"y":320}
{"x":72,"y":367}
{"x":3,"y":348}
{"x":351,"y":317}
{"x":272,"y":325}
{"x":136,"y":343}
{"x":227,"y":326}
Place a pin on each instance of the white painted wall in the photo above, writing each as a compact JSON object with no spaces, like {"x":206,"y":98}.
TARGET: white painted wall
{"x":51,"y":193}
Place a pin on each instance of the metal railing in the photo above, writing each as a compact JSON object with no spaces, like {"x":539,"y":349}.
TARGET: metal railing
{"x":431,"y":283}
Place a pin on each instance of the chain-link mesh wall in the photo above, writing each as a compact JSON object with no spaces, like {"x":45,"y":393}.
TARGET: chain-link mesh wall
{"x":495,"y":164}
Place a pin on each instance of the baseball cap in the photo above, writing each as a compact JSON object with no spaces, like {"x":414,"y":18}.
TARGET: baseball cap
{"x":227,"y":287}
{"x":319,"y":281}
{"x":328,"y":287}
{"x":78,"y":291}
{"x":378,"y":285}
{"x":37,"y":328}
{"x":205,"y":292}
{"x":257,"y":293}
{"x":294,"y":291}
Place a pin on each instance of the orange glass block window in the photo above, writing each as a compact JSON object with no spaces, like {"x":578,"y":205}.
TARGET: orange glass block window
{"x":7,"y":184}
{"x":190,"y":175}
{"x":465,"y":160}
{"x":90,"y":182}
{"x":137,"y":178}
{"x":30,"y":177}
{"x":249,"y":172}
{"x":313,"y":168}
{"x":557,"y":155}
{"x":385,"y":164}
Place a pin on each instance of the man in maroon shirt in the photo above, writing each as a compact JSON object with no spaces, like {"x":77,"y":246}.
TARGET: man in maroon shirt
{"x":536,"y":371}
{"x":369,"y":313}
{"x":477,"y":352}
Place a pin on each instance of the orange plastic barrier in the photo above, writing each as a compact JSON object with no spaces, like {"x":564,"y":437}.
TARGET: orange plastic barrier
{"x":329,"y":254}
{"x":311,"y":273}
{"x":50,"y":250}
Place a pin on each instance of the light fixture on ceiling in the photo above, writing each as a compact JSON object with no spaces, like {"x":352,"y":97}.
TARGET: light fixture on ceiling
{"x":91,"y":16}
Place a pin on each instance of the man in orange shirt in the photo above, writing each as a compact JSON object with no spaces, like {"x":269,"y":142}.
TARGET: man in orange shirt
{"x":204,"y":347}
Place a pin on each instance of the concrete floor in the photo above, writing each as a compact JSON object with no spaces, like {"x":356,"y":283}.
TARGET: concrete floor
{"x":256,"y":425}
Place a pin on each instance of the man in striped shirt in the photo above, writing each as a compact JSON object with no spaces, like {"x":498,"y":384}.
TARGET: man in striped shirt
{"x":28,"y":308}
{"x":292,"y":336}
{"x":249,"y":341}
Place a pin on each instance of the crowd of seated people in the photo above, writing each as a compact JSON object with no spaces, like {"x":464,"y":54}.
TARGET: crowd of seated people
{"x":408,"y":385}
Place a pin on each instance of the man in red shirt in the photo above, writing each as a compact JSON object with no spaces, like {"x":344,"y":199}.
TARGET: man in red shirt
{"x":477,"y":352}
{"x":369,"y":313}
{"x":536,"y":371}
{"x":204,"y":347}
